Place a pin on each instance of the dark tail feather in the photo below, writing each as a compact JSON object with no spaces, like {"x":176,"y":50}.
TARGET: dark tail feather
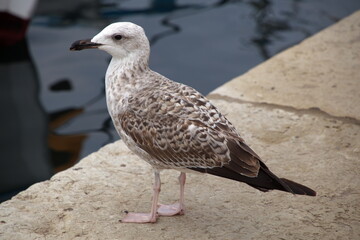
{"x":297,"y":188}
{"x":265,"y":180}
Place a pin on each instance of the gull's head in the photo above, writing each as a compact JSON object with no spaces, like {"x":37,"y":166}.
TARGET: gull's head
{"x":121,"y":40}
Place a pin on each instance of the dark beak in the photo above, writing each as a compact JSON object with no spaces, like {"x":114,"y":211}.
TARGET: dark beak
{"x":83,"y":44}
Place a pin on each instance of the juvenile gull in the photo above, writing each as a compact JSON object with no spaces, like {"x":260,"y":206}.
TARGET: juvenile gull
{"x":171,"y":125}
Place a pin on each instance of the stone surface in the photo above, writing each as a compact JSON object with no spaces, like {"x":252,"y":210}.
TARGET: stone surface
{"x":321,"y":72}
{"x":320,"y":149}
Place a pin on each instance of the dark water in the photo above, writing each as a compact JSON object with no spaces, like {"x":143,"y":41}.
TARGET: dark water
{"x":53,"y":99}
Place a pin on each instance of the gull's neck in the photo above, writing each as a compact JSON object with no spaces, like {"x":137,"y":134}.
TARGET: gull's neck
{"x":124,"y":76}
{"x":127,"y":69}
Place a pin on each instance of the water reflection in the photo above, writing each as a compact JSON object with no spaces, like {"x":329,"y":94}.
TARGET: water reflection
{"x":267,"y":26}
{"x":54,"y":99}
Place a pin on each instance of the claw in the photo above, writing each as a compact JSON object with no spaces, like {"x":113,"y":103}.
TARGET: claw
{"x":139,"y":218}
{"x":170,"y":210}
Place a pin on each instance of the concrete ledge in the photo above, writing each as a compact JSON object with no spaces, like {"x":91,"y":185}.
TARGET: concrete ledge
{"x":318,"y":148}
{"x":322,"y":72}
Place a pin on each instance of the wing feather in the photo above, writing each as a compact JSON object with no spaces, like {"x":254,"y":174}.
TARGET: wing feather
{"x":182,"y":129}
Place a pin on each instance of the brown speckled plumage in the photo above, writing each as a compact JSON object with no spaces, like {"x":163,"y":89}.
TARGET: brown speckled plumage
{"x":171,"y":125}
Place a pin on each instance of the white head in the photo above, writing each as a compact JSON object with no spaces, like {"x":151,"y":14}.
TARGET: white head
{"x":122,"y":40}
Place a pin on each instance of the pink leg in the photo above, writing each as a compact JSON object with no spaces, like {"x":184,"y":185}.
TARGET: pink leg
{"x":177,"y":208}
{"x":147,"y":217}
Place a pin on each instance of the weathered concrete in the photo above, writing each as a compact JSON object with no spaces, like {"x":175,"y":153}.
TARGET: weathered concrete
{"x":320,"y":148}
{"x":321,"y":72}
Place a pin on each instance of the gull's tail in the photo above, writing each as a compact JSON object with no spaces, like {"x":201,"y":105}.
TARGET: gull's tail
{"x":298,"y":188}
{"x":264,"y":181}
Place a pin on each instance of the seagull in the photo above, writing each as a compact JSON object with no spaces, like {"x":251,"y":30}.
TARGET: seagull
{"x":171,"y":125}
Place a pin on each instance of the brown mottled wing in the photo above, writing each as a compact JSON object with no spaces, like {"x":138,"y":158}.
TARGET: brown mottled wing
{"x":179,"y":128}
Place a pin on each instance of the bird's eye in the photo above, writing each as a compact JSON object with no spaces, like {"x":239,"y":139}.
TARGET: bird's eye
{"x":117,"y":37}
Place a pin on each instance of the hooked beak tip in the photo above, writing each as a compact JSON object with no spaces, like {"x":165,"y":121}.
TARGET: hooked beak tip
{"x":83,"y":44}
